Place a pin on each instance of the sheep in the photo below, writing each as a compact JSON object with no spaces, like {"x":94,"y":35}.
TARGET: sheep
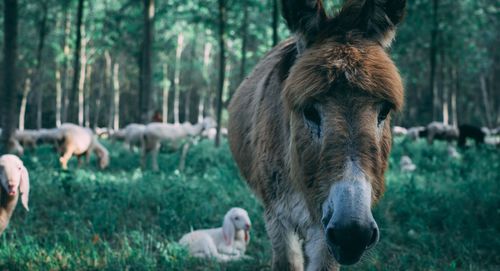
{"x":226,"y":243}
{"x":399,"y":131}
{"x":80,"y":141}
{"x":212,"y":132}
{"x":27,"y":138}
{"x":415,"y":133}
{"x":441,"y":131}
{"x":406,"y":164}
{"x":13,"y":177}
{"x":50,"y":136}
{"x":154,"y":133}
{"x":132,"y":134}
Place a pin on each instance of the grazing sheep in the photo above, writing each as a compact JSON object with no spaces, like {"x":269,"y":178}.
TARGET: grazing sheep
{"x":415,"y":133}
{"x":50,"y":136}
{"x":224,"y":244}
{"x":27,"y":138}
{"x":399,"y":131}
{"x":212,"y":132}
{"x":441,"y":131}
{"x":13,"y":177}
{"x":406,"y":164}
{"x":80,"y":141}
{"x":155,"y":133}
{"x":132,"y":134}
{"x":470,"y":131}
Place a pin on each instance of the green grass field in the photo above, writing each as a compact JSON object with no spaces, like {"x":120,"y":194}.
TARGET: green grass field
{"x":443,"y":216}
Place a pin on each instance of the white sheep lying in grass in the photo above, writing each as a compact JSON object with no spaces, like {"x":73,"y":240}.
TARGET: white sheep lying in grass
{"x":224,"y":244}
{"x":80,"y":141}
{"x":155,"y":133}
{"x":13,"y":177}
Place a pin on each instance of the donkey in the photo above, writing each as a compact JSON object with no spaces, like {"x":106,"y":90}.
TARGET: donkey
{"x":310,"y":130}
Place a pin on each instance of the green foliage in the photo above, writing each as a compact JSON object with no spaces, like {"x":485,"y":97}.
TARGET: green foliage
{"x":443,"y":216}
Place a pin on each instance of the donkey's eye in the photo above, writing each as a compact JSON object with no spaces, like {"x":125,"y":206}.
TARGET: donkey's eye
{"x":385,"y":108}
{"x":313,"y":120}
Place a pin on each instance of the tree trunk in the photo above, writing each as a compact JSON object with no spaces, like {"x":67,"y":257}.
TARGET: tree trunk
{"x":275,"y":22}
{"x":76,"y":61}
{"x":58,"y":97}
{"x":166,"y":88}
{"x":66,"y":70}
{"x":81,"y":81}
{"x":98,"y":97}
{"x":37,"y":76}
{"x":177,"y":75}
{"x":444,"y":90}
{"x":222,"y":67}
{"x":454,"y":91}
{"x":486,"y":98}
{"x":116,"y":97}
{"x":244,"y":39}
{"x":433,"y":53}
{"x":204,"y":106}
{"x":106,"y":85}
{"x":24,"y":100}
{"x":88,"y":91}
{"x":145,"y":77}
{"x":8,"y":95}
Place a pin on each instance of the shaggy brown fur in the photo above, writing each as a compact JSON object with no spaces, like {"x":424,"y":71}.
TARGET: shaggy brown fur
{"x":337,"y":76}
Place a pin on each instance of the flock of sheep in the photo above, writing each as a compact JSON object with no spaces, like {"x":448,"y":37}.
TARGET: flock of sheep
{"x":225,"y":243}
{"x":440,"y":131}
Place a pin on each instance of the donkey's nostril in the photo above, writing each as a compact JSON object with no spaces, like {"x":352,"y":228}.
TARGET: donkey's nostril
{"x":374,"y":238}
{"x":330,"y":235}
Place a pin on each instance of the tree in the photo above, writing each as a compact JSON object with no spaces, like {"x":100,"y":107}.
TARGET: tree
{"x":146,"y":65}
{"x":8,"y":97}
{"x":222,"y":67}
{"x":76,"y":57}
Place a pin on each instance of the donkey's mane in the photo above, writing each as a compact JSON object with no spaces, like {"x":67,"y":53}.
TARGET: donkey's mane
{"x":362,"y":65}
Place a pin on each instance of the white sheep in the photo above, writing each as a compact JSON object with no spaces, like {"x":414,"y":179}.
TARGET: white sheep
{"x":406,"y":164}
{"x":441,"y":131}
{"x":155,"y":133}
{"x":414,"y":133}
{"x":132,"y":134}
{"x":399,"y":131}
{"x":13,"y":177}
{"x":226,"y":243}
{"x":27,"y":138}
{"x":212,"y":132}
{"x":80,"y":141}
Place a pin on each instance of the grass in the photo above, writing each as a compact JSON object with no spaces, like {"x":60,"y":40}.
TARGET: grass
{"x":443,"y":216}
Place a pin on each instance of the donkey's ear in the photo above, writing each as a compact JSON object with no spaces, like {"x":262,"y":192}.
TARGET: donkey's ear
{"x":376,"y":19}
{"x":304,"y":17}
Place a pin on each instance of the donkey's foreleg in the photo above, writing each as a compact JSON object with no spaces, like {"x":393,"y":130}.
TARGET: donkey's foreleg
{"x":287,"y":250}
{"x":319,"y":258}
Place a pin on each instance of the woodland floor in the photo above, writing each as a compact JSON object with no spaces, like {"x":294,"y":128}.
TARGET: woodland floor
{"x":443,"y":216}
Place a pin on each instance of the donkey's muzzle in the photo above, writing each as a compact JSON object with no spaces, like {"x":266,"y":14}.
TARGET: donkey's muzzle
{"x":348,"y":240}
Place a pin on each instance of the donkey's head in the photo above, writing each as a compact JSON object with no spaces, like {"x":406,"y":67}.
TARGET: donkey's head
{"x":339,"y":96}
